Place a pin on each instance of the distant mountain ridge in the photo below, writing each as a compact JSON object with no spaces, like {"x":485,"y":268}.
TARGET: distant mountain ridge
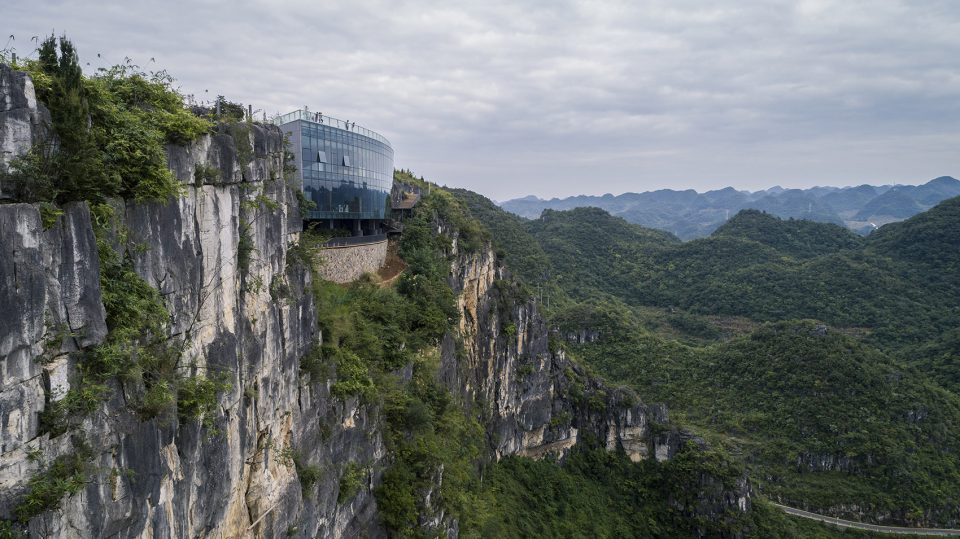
{"x":689,"y":214}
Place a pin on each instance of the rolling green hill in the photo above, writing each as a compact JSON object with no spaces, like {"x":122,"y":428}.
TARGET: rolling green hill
{"x":930,"y":239}
{"x":795,"y":237}
{"x":821,"y":418}
{"x":767,"y":269}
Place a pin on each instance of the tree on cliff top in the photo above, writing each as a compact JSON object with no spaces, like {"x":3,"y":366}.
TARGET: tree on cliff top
{"x":109,"y":131}
{"x":79,"y":167}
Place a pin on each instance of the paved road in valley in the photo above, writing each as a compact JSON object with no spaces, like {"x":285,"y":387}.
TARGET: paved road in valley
{"x":931,"y":532}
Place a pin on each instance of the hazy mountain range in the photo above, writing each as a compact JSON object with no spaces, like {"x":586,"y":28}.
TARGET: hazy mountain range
{"x":690,"y":214}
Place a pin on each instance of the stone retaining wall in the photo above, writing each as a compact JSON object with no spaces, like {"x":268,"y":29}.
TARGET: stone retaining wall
{"x":348,"y":263}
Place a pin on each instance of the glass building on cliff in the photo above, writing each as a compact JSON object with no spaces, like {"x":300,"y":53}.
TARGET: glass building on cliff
{"x":347,"y":170}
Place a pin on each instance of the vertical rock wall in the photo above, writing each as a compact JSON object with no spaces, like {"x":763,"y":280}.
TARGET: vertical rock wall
{"x":22,"y":120}
{"x":166,"y":477}
{"x":536,"y":402}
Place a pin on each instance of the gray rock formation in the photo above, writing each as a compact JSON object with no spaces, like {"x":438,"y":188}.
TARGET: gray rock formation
{"x":49,"y":284}
{"x":23,"y":122}
{"x":164,"y":477}
{"x":537,"y":403}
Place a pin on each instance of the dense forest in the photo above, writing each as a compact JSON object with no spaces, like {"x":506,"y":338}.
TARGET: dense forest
{"x":822,"y":361}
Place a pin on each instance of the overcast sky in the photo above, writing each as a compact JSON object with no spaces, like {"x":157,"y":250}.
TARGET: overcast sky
{"x":557,"y":97}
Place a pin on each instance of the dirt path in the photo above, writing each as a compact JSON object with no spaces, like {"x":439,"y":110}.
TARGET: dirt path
{"x":393,"y":266}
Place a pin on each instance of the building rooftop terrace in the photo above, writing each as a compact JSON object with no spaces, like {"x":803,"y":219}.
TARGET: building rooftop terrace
{"x":320,"y":118}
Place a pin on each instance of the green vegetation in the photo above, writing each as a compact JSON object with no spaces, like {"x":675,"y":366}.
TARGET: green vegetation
{"x":938,"y":358}
{"x":517,"y":249}
{"x":206,"y":174}
{"x":353,"y":377}
{"x":596,"y":494}
{"x":371,"y":332}
{"x":66,"y":475}
{"x":136,"y":348}
{"x":427,"y":430}
{"x":470,"y":234}
{"x":315,"y":366}
{"x":862,"y":412}
{"x":245,"y":249}
{"x":255,"y":206}
{"x":728,"y":330}
{"x":241,"y":136}
{"x":108,"y":135}
{"x":353,"y":479}
{"x":107,"y":141}
{"x":308,"y":474}
{"x":600,"y":494}
{"x":928,"y":239}
{"x":8,"y":530}
{"x":136,"y":351}
{"x":822,"y":417}
{"x":598,"y":257}
{"x":198,"y":396}
{"x":49,"y":214}
{"x":230,"y":112}
{"x":795,"y":237}
{"x":795,"y":274}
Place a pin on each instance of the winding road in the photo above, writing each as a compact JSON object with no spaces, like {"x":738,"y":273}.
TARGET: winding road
{"x":930,"y":532}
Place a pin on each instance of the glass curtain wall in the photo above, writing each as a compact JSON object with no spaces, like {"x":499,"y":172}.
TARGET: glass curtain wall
{"x":348,"y":174}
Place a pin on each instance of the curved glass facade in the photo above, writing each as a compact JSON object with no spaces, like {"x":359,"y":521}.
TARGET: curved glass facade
{"x":346,"y":170}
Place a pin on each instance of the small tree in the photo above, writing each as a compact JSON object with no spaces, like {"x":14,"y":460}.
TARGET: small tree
{"x":80,"y":171}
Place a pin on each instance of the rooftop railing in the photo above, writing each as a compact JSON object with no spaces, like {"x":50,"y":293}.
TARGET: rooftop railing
{"x":321,"y":118}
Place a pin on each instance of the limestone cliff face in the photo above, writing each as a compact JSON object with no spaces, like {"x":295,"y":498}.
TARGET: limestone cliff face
{"x":165,"y":477}
{"x":535,"y":401}
{"x":168,"y":477}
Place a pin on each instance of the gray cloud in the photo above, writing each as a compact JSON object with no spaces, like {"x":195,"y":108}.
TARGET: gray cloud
{"x":564,"y":97}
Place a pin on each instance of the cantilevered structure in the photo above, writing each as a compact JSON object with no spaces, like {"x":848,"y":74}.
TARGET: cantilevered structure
{"x":347,"y":170}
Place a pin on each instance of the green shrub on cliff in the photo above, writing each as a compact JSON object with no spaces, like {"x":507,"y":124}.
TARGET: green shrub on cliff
{"x":78,"y":170}
{"x":65,"y":475}
{"x":369,"y":329}
{"x":372,"y":332}
{"x":109,"y":131}
{"x":437,"y":448}
{"x":352,"y":481}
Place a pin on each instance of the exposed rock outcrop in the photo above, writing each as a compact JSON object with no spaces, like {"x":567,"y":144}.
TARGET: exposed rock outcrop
{"x":22,"y":119}
{"x":165,"y":477}
{"x":534,"y":400}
